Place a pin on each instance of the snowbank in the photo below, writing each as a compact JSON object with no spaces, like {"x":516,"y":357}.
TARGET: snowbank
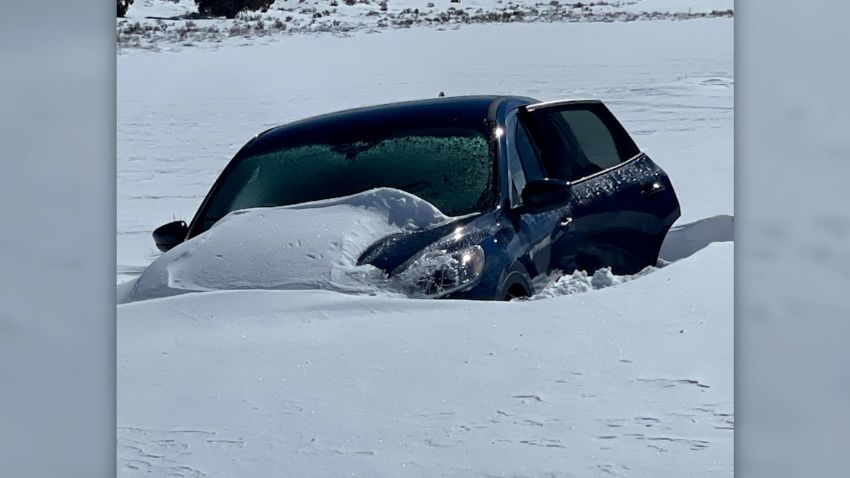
{"x":633,"y":380}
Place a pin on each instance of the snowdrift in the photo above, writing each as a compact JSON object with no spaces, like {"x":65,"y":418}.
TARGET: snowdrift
{"x":632,"y":380}
{"x":306,"y":246}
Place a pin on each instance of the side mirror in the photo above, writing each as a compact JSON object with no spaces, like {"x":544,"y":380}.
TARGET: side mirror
{"x":543,"y":194}
{"x":169,"y":235}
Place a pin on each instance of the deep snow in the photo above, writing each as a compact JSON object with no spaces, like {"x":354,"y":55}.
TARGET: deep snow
{"x":605,"y":375}
{"x":632,"y":380}
{"x":312,"y":245}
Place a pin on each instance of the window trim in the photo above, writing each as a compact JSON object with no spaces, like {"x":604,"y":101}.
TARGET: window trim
{"x":562,"y":102}
{"x":512,"y":123}
{"x":609,"y":169}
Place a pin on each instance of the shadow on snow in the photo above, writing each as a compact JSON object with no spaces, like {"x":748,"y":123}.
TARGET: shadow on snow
{"x":686,"y":240}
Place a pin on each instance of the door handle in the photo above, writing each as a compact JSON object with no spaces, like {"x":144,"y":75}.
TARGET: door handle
{"x":654,"y":187}
{"x":565,"y":222}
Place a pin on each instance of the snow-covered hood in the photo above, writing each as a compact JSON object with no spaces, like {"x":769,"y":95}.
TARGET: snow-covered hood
{"x":306,"y":246}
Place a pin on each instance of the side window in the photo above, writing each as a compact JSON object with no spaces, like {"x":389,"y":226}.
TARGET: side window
{"x":596,"y":147}
{"x":578,"y":140}
{"x":526,"y":152}
{"x":523,"y":164}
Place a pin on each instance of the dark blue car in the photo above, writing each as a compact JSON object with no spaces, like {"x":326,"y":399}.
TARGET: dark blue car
{"x":532,"y":188}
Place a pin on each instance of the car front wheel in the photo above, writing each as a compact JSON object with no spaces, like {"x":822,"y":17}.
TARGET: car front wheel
{"x":515,"y":286}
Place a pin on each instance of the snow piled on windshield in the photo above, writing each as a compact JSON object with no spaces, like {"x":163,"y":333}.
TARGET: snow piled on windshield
{"x":306,"y":246}
{"x":401,"y":209}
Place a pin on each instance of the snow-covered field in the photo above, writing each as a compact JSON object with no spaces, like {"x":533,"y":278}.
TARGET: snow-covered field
{"x":629,"y":376}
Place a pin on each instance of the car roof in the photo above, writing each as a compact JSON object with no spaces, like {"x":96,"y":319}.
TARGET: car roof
{"x":466,"y":110}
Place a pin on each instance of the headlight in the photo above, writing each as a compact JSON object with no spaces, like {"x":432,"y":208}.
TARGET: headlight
{"x":437,"y":273}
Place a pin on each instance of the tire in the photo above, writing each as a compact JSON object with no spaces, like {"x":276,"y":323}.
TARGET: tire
{"x":516,"y":285}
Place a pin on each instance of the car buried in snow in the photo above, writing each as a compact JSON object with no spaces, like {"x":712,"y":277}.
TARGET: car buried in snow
{"x":529,"y":188}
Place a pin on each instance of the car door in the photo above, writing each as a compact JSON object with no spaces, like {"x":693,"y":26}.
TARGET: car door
{"x":622,"y":203}
{"x":541,"y":232}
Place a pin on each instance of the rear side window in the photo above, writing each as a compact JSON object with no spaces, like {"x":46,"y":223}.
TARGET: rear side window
{"x":579,"y":139}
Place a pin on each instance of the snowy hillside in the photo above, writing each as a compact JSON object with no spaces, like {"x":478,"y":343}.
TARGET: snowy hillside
{"x":167,"y":25}
{"x":599,"y":375}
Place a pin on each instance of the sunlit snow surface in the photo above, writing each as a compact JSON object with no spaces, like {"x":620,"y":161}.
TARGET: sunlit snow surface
{"x":629,"y":376}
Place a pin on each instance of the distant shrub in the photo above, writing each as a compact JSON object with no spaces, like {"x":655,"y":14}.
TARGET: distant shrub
{"x":123,"y":5}
{"x":229,"y":8}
